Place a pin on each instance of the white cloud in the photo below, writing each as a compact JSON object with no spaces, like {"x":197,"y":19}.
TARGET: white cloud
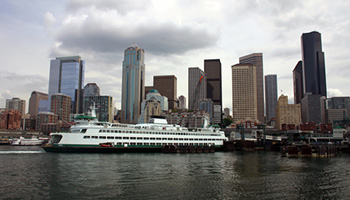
{"x":334,"y":92}
{"x":175,"y":34}
{"x":49,"y":19}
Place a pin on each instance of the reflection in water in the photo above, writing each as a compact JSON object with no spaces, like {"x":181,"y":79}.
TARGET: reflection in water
{"x":239,"y":175}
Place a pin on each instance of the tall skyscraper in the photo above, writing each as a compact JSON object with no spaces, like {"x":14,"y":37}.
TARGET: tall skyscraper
{"x":91,"y":89}
{"x":314,"y":72}
{"x":67,"y":77}
{"x":197,"y":87}
{"x":34,"y":100}
{"x":212,"y":68}
{"x":17,"y":104}
{"x":133,"y":83}
{"x":244,"y":94}
{"x":61,"y":106}
{"x":167,"y":86}
{"x":271,"y":96}
{"x":298,"y":82}
{"x":257,"y":60}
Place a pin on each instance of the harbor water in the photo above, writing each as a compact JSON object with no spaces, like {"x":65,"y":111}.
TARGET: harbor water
{"x":31,"y":173}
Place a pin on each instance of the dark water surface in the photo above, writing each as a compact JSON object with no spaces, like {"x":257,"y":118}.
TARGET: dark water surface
{"x":30,"y":173}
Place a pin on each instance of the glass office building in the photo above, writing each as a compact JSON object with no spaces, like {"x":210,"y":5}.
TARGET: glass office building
{"x":133,"y":83}
{"x":67,"y":77}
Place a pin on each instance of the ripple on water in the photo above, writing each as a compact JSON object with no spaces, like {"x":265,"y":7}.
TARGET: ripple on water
{"x":233,"y":175}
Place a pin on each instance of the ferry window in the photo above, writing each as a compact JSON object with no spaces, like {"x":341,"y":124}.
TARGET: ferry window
{"x":125,"y":138}
{"x":109,"y":137}
{"x":159,"y":138}
{"x":152,"y":138}
{"x":118,"y":137}
{"x":196,"y":139}
{"x":94,"y":137}
{"x":100,"y":131}
{"x":181,"y":139}
{"x":86,"y":137}
{"x":191,"y":139}
{"x":139,"y":138}
{"x":186,"y":138}
{"x":176,"y":139}
{"x":164,"y":139}
{"x":132,"y":143}
{"x":132,"y":138}
{"x":83,"y":130}
{"x":119,"y":143}
{"x":159,"y":143}
{"x":102,"y":137}
{"x":170,"y":138}
{"x":108,"y":131}
{"x":139,"y":143}
{"x":153,"y":143}
{"x":146,"y":143}
{"x":146,"y":138}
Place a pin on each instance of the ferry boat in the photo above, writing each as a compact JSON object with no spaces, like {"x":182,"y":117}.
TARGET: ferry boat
{"x":22,"y":141}
{"x":89,"y":135}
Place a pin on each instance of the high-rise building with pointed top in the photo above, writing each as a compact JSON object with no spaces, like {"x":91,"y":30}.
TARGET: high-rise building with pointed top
{"x":133,"y":83}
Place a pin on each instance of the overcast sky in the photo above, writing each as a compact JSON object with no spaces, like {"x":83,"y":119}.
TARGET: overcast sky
{"x":175,"y":35}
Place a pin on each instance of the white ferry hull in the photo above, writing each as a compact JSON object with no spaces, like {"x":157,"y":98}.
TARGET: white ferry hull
{"x":96,"y":137}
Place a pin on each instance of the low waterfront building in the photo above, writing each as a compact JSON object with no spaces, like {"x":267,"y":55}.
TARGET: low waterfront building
{"x":10,"y":119}
{"x":47,"y":122}
{"x":17,"y":104}
{"x":195,"y":119}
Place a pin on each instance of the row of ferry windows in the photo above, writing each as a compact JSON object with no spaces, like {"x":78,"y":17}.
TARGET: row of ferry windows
{"x":146,"y":138}
{"x":139,"y":132}
{"x":138,"y":143}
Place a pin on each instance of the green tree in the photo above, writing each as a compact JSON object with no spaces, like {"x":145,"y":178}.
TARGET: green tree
{"x":226,"y":122}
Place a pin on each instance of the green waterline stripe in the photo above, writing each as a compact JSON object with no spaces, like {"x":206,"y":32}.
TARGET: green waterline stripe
{"x":121,"y":146}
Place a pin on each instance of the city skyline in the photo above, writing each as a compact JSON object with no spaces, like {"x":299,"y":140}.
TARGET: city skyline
{"x":43,"y":31}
